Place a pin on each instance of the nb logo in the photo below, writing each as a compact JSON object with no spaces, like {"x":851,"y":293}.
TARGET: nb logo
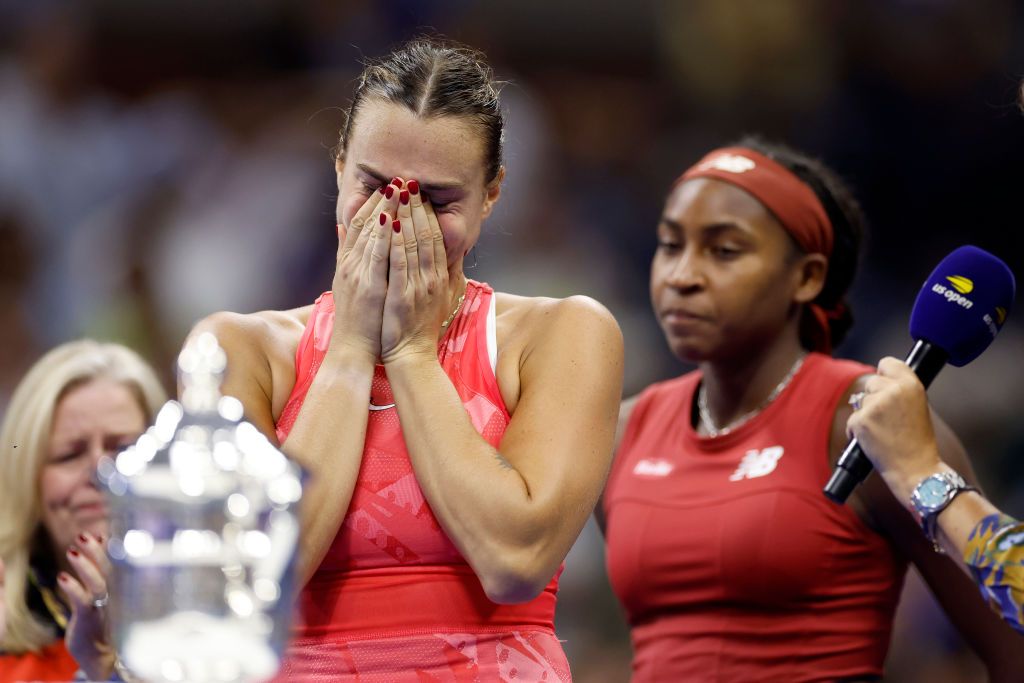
{"x":653,"y":467}
{"x":757,"y":463}
{"x":730,"y":163}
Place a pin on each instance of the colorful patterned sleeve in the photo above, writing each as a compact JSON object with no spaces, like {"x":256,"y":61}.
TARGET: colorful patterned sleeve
{"x":995,"y":557}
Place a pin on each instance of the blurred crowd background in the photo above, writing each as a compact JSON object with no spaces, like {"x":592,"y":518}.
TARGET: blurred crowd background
{"x":163,"y":160}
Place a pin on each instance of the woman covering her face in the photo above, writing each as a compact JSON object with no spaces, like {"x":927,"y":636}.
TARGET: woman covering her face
{"x":79,"y":402}
{"x":457,"y":437}
{"x":729,"y":560}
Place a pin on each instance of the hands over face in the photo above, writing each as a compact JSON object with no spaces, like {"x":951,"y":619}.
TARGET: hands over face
{"x":391,"y":289}
{"x":418,"y":298}
{"x":361,"y":274}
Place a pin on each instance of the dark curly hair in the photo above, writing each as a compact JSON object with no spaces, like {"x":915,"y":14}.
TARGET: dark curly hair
{"x":848,"y":225}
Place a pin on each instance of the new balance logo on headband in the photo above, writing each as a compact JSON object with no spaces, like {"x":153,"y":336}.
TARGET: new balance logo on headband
{"x":730,"y":163}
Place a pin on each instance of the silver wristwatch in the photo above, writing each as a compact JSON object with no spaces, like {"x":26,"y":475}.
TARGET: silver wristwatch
{"x":932,"y":496}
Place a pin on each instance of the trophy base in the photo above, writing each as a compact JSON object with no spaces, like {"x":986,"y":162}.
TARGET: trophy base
{"x":196,"y":647}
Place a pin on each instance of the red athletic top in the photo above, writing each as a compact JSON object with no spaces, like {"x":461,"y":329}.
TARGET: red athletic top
{"x":393,"y":599}
{"x":731,"y":563}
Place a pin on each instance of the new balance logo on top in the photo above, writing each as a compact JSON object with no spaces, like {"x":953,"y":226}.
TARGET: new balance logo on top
{"x":653,"y":467}
{"x":757,"y":463}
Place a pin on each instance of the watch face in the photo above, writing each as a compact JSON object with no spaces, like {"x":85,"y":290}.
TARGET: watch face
{"x":933,"y":491}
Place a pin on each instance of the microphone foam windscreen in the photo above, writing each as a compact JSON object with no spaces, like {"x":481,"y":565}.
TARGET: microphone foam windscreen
{"x":963,"y":304}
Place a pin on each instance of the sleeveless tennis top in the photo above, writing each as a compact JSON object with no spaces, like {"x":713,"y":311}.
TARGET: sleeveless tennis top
{"x":730,"y":562}
{"x":393,"y":599}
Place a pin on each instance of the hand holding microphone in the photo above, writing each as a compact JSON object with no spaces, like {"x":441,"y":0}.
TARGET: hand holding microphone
{"x":958,"y":312}
{"x":894,"y":427}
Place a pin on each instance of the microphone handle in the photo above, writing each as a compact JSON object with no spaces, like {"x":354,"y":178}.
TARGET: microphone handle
{"x":925,"y":359}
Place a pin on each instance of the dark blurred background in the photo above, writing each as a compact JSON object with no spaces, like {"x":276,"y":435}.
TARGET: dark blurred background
{"x":163,"y":160}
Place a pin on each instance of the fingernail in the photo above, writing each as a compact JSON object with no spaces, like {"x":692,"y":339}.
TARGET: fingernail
{"x":414,"y":186}
{"x":397,"y":181}
{"x":63,"y":578}
{"x":99,"y":539}
{"x":404,"y":197}
{"x":389,"y":191}
{"x":82,"y":539}
{"x":382,"y":189}
{"x":72,"y":552}
{"x":397,"y":225}
{"x":383,"y":218}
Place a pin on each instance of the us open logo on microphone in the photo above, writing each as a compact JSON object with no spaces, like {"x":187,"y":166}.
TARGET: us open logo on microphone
{"x":994,"y":325}
{"x":955,"y":294}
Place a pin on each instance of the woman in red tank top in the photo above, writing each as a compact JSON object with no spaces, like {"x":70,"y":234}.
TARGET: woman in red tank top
{"x":730,"y":562}
{"x":451,"y":467}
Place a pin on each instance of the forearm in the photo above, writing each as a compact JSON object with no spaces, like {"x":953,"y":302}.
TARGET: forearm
{"x":327,"y":439}
{"x":986,"y":544}
{"x":993,"y":554}
{"x":956,"y":523}
{"x":482,"y":501}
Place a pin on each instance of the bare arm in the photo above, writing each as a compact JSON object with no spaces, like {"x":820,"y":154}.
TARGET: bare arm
{"x":996,"y":644}
{"x":897,"y":429}
{"x":328,"y":435}
{"x":515,"y":512}
{"x":625,"y":411}
{"x":3,"y":603}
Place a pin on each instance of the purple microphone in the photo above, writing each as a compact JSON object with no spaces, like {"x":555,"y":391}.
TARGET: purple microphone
{"x":958,"y":312}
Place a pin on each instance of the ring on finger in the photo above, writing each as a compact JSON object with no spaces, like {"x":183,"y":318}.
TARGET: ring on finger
{"x":857,"y":400}
{"x":101,"y":602}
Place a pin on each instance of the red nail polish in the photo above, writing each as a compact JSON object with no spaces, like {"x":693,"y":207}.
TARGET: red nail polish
{"x":390,"y":191}
{"x":72,"y":552}
{"x":383,"y":218}
{"x":397,"y":181}
{"x":63,"y":578}
{"x":82,"y":539}
{"x":404,"y":197}
{"x":397,"y":225}
{"x":414,"y":187}
{"x":382,"y":189}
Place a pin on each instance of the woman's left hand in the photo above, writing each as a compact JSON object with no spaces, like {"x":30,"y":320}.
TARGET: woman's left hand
{"x":418,"y":299}
{"x":88,"y":637}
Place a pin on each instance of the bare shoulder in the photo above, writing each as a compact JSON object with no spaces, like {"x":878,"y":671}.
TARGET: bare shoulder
{"x":264,"y":332}
{"x":523,"y":319}
{"x":260,"y":347}
{"x":544,"y":334}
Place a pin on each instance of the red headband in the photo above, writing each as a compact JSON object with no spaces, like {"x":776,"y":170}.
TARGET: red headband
{"x":788,"y":198}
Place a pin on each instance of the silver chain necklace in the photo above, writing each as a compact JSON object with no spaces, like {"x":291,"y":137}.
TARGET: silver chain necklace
{"x":705,"y":414}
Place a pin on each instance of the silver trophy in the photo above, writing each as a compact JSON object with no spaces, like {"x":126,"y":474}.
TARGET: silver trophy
{"x":204,"y":531}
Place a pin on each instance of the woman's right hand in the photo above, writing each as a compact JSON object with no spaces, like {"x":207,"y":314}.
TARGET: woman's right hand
{"x":88,"y":635}
{"x":361,"y":275}
{"x":894,"y":426}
